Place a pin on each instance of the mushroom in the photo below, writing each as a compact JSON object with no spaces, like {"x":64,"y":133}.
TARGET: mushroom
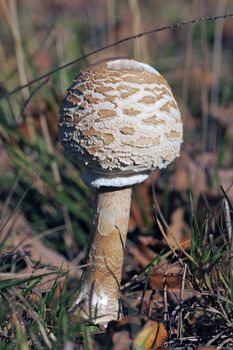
{"x":120,"y":120}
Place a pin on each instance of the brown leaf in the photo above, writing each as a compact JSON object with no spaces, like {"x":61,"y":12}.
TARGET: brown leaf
{"x":121,"y":340}
{"x":224,"y":114}
{"x":136,"y":217}
{"x":118,"y":334}
{"x":148,"y":240}
{"x":38,"y":252}
{"x":176,"y":231}
{"x":170,"y":276}
{"x":189,"y":173}
{"x":152,"y":336}
{"x":13,"y":226}
{"x":19,"y":236}
{"x":139,"y":256}
{"x":195,"y":174}
{"x":173,"y":275}
{"x":225,"y":179}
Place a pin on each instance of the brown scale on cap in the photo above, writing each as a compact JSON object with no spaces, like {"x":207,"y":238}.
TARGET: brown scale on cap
{"x":116,"y":95}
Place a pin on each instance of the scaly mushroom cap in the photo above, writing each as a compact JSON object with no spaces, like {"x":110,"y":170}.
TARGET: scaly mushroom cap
{"x":119,"y":118}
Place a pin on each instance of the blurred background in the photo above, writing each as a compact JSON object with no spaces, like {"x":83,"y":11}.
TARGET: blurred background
{"x":45,"y":207}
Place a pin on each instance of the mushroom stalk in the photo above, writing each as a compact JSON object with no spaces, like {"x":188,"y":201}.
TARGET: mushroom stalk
{"x":120,"y":120}
{"x":99,"y":294}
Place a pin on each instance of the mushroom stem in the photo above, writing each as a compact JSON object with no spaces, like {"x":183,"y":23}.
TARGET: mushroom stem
{"x":98,"y":299}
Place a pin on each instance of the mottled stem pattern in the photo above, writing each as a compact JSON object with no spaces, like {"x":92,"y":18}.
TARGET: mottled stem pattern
{"x":98,"y":299}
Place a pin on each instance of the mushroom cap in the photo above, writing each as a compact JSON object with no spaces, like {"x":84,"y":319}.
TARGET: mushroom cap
{"x":120,"y":119}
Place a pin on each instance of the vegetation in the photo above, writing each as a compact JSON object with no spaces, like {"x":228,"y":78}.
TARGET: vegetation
{"x":177,"y":288}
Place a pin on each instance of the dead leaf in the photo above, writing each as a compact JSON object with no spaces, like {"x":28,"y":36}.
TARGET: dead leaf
{"x":136,"y":216}
{"x":171,"y":273}
{"x":52,"y":260}
{"x":118,"y":334}
{"x":224,"y":114}
{"x":142,"y":256}
{"x":198,"y":175}
{"x":189,"y":173}
{"x":18,"y":234}
{"x":152,"y":336}
{"x":13,"y":225}
{"x":148,"y":240}
{"x":176,"y":231}
{"x":121,"y":340}
{"x":225,"y":179}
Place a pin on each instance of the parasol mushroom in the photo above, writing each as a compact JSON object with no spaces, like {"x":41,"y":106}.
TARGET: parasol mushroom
{"x":120,"y":120}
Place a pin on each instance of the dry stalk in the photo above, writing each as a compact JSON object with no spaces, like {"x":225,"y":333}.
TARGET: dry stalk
{"x":4,"y":209}
{"x":34,"y":316}
{"x":61,"y":50}
{"x":111,"y":23}
{"x":165,"y":315}
{"x":229,"y":232}
{"x":139,"y":46}
{"x":69,"y":237}
{"x":180,"y":322}
{"x":204,"y":87}
{"x":179,"y":246}
{"x":150,"y":303}
{"x":13,"y":215}
{"x":211,"y":341}
{"x":10,"y":11}
{"x":121,"y":41}
{"x":226,"y":341}
{"x":188,"y":61}
{"x":224,"y":314}
{"x":216,"y":71}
